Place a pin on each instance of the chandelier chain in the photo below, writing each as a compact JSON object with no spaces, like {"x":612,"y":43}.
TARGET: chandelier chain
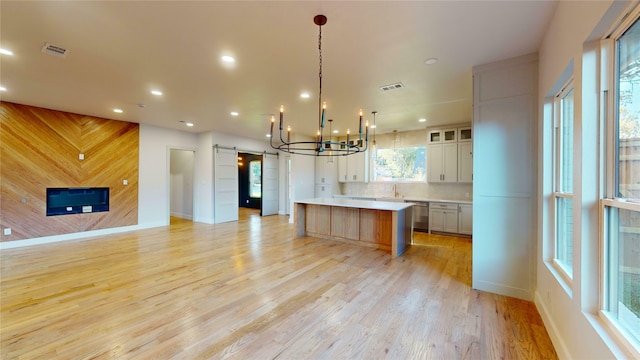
{"x":320,"y":75}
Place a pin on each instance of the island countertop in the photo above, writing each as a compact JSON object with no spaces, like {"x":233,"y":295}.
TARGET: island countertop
{"x":361,"y":204}
{"x":385,"y":225}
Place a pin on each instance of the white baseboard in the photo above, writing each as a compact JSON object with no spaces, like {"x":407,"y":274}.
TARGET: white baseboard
{"x":74,"y":236}
{"x":181,"y":215}
{"x":502,"y":290}
{"x":552,"y":330}
{"x":205,"y":220}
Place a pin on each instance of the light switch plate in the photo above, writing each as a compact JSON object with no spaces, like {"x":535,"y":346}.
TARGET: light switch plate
{"x":81,"y":156}
{"x":7,"y":231}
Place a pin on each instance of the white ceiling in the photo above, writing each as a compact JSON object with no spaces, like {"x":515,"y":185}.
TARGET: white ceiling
{"x":120,"y":50}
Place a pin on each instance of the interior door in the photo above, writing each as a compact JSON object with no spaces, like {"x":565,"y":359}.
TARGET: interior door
{"x":269,"y":185}
{"x":225,"y":185}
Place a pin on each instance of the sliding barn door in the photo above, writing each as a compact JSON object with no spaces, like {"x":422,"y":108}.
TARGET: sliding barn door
{"x":225,"y":185}
{"x":269,"y":185}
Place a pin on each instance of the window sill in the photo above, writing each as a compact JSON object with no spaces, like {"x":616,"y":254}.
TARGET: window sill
{"x":605,"y":326}
{"x":561,"y":276}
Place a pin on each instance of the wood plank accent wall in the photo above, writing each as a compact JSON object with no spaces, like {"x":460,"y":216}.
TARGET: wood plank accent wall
{"x":40,"y":149}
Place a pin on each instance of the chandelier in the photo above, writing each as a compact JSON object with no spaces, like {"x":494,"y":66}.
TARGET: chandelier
{"x":321,"y":146}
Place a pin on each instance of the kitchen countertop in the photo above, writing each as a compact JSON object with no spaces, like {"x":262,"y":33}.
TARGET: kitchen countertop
{"x":361,"y":204}
{"x":400,"y":199}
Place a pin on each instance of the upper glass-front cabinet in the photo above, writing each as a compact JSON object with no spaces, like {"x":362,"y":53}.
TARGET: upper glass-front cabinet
{"x":446,"y":135}
{"x":464,"y":134}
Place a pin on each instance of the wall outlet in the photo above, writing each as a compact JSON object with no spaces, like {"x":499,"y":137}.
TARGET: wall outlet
{"x":7,"y":231}
{"x":125,"y":182}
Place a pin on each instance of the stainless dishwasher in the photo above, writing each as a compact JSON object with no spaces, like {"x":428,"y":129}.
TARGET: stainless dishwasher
{"x":421,"y":216}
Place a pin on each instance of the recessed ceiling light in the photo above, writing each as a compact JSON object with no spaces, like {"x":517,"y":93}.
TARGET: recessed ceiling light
{"x":422,"y":120}
{"x":431,"y":61}
{"x":189,"y":124}
{"x":156,"y":92}
{"x":305,"y":95}
{"x":228,"y":59}
{"x":2,"y":88}
{"x":372,"y":126}
{"x":5,"y":52}
{"x":117,"y":110}
{"x":335,"y":131}
{"x":234,"y":113}
{"x":268,"y":135}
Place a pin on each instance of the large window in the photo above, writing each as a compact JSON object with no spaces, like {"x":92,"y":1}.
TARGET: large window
{"x":621,"y":207}
{"x":563,"y":180}
{"x":400,"y":164}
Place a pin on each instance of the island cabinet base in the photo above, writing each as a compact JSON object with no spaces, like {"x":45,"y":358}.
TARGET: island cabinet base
{"x":389,"y":230}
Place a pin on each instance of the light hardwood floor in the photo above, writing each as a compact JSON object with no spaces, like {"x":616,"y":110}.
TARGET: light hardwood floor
{"x":248,"y":290}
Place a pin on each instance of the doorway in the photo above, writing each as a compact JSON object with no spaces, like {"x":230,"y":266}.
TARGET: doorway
{"x":249,"y":180}
{"x":181,"y":174}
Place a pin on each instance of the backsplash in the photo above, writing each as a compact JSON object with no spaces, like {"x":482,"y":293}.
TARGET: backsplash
{"x":409,"y":190}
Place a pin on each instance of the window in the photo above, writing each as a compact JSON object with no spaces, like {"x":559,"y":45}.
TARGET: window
{"x":563,"y":180}
{"x":255,"y":179}
{"x":621,"y":207}
{"x":401,"y":164}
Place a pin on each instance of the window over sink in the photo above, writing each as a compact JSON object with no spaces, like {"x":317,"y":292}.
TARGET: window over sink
{"x":404,"y":164}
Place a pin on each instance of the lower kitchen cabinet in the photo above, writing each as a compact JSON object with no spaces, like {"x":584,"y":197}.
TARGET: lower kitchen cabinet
{"x":443,"y":217}
{"x":465,"y":219}
{"x":450,"y":218}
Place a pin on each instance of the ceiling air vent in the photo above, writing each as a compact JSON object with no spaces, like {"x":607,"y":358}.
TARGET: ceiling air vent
{"x":54,"y":50}
{"x":392,"y":86}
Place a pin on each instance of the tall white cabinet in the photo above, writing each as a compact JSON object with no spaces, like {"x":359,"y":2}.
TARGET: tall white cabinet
{"x":449,"y":156}
{"x":325,"y":176}
{"x":505,"y":97}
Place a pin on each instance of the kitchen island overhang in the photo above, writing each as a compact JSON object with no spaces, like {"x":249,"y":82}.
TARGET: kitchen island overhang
{"x":381,"y":224}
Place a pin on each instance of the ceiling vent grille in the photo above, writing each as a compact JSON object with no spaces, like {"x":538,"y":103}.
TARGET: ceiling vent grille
{"x":392,"y":86}
{"x":54,"y":50}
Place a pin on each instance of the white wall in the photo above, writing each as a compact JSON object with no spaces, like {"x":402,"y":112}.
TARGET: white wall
{"x":153,"y":195}
{"x":569,"y":310}
{"x":153,"y":172}
{"x":181,"y":167}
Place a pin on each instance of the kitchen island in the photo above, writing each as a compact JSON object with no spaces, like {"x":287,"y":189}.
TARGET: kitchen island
{"x":384,"y":225}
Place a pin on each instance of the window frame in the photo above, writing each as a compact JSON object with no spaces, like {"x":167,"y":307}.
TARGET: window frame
{"x":610,"y":199}
{"x":564,"y":269}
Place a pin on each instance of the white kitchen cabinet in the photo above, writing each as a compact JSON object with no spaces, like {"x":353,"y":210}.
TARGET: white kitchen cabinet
{"x":354,"y":168}
{"x":445,"y":135}
{"x":323,"y":191}
{"x":442,"y":160}
{"x":443,"y":217}
{"x":325,"y":170}
{"x":465,"y":219}
{"x":465,"y":134}
{"x":465,"y":162}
